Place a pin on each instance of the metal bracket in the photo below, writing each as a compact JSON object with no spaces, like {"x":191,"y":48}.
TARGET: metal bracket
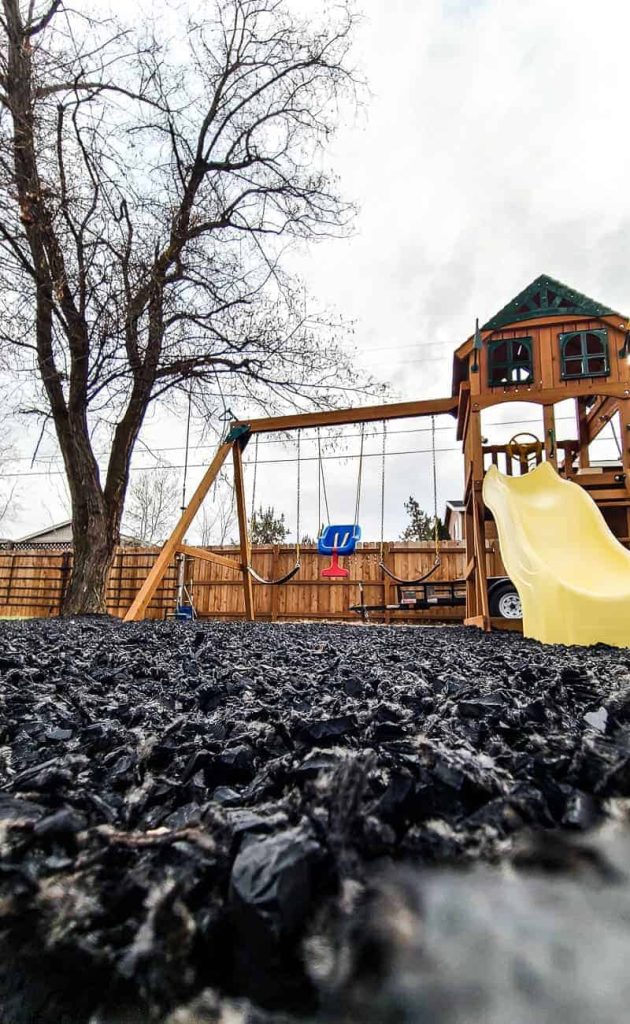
{"x":237,"y":432}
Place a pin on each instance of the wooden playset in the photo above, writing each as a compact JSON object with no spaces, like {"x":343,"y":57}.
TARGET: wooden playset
{"x":549,"y":344}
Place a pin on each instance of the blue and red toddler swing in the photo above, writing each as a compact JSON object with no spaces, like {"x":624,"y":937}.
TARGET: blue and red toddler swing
{"x":335,"y":541}
{"x":338,"y":540}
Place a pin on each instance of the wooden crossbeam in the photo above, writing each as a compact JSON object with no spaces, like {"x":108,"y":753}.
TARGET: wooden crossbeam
{"x":209,"y":556}
{"x":543,"y":396}
{"x":481,"y":621}
{"x":339,"y":417}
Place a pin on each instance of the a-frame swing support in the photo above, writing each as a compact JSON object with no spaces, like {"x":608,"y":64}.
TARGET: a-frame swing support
{"x":235,"y":442}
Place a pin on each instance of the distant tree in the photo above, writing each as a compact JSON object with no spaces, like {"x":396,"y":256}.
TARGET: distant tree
{"x":421,"y":525}
{"x":9,"y":498}
{"x":267,"y":527}
{"x":153,"y":506}
{"x":218,"y":516}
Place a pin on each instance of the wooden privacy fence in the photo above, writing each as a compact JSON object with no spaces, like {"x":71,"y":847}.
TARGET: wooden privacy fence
{"x":33,"y":582}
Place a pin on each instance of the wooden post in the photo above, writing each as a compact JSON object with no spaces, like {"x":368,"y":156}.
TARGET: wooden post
{"x":275,"y":572}
{"x":387,"y":583}
{"x":120,"y":557}
{"x":477,"y":611}
{"x":549,"y":421}
{"x":65,"y":576}
{"x":624,"y":439}
{"x":239,"y":488}
{"x":581,"y":413}
{"x":156,"y":574}
{"x":7,"y":599}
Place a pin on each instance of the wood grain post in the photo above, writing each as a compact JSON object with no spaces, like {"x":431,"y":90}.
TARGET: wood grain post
{"x":469,"y":538}
{"x":581,"y":413}
{"x":156,"y":574}
{"x":10,"y":582}
{"x":624,"y":439}
{"x":549,"y":421}
{"x":243,"y":533}
{"x":65,"y":577}
{"x":387,"y":583}
{"x":275,"y":572}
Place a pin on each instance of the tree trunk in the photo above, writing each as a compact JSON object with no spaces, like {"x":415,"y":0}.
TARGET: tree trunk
{"x":92,"y":561}
{"x":94,"y":538}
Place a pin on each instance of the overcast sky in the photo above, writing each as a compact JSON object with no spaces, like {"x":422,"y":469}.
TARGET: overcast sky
{"x":493,"y":148}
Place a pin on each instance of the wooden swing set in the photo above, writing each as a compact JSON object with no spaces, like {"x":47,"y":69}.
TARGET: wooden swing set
{"x":335,"y":540}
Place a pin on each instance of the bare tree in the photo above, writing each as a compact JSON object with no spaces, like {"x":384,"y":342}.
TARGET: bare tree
{"x":10,"y":503}
{"x":148,"y":193}
{"x":152,"y":506}
{"x":218,"y":513}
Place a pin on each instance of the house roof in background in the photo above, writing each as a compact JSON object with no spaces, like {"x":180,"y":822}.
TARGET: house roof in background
{"x":44,"y":530}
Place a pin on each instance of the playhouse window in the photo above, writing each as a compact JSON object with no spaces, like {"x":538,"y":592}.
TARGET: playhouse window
{"x":510,"y":362}
{"x":584,"y":354}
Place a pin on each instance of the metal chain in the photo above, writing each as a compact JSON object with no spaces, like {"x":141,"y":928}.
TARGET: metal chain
{"x":383,"y":487}
{"x":436,"y":530}
{"x":299,"y":491}
{"x":319,"y":484}
{"x":322,"y":479}
{"x":359,"y":476}
{"x":187,"y":449}
{"x":253,"y":510}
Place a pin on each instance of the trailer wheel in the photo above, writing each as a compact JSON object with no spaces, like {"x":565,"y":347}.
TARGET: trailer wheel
{"x":505,"y":602}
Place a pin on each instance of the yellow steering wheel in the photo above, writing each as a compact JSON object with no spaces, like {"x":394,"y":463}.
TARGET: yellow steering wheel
{"x":523,"y":450}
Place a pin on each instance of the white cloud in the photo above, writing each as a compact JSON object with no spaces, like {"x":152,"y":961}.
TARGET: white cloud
{"x":494,"y":148}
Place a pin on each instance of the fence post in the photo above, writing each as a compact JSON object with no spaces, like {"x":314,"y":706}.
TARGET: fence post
{"x":10,"y":579}
{"x":275,"y":591}
{"x":65,"y":574}
{"x":387,"y":583}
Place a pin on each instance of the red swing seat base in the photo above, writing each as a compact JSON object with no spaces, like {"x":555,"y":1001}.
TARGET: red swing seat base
{"x":334,"y":569}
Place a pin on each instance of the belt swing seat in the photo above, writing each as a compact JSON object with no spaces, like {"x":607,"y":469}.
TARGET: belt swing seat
{"x":436,"y":529}
{"x":297,"y":566}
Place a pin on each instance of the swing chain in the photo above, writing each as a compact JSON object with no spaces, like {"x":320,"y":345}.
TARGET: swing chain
{"x":357,"y":505}
{"x":321,"y":485}
{"x":436,"y":529}
{"x":253,"y":509}
{"x":383,"y":454}
{"x":299,"y":494}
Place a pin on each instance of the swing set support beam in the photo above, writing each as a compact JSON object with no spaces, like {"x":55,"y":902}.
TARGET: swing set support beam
{"x":340,"y":417}
{"x":241,"y":511}
{"x":162,"y":562}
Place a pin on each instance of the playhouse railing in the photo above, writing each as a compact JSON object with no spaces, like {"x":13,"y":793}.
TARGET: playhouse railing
{"x":500,"y":455}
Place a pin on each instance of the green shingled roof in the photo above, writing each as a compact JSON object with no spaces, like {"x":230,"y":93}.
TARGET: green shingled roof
{"x":546,"y":297}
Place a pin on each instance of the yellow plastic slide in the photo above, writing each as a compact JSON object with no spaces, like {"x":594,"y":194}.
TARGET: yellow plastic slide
{"x":572,"y":574}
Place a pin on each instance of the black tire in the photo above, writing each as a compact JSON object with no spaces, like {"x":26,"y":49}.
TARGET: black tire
{"x":505,"y":602}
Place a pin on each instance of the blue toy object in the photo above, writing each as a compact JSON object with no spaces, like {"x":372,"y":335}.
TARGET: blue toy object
{"x":339,"y":539}
{"x":336,"y":541}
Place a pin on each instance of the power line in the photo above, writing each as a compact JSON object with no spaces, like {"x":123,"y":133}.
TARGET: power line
{"x":271,"y":462}
{"x":310,"y":440}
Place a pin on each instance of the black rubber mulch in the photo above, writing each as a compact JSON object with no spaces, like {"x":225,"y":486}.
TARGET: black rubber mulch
{"x":181,"y":804}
